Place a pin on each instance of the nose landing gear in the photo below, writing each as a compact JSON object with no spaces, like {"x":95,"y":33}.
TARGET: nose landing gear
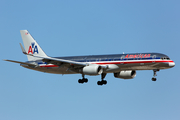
{"x":154,"y":76}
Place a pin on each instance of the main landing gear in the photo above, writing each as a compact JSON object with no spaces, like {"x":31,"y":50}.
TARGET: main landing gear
{"x":83,"y":80}
{"x":102,"y":82}
{"x":154,"y":79}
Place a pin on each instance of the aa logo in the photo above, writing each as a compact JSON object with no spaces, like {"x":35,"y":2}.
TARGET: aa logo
{"x":33,"y":49}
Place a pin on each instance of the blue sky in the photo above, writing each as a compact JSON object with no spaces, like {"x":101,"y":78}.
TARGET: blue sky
{"x":70,"y":28}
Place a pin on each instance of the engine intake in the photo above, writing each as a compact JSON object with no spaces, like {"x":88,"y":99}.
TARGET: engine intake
{"x":125,"y":74}
{"x":92,"y":70}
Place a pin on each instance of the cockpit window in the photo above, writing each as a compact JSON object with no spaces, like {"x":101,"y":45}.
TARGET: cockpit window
{"x":165,"y":58}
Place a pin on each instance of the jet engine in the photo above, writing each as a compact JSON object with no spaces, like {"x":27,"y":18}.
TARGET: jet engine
{"x":125,"y":74}
{"x":92,"y":70}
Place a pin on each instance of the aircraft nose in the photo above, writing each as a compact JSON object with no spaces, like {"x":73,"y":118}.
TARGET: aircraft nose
{"x":171,"y":64}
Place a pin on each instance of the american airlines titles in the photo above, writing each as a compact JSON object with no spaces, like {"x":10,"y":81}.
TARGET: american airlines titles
{"x":138,"y":56}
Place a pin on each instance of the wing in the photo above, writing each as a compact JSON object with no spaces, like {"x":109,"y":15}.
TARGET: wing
{"x":63,"y":62}
{"x":68,"y":63}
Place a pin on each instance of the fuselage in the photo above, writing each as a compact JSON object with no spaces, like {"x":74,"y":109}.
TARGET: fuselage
{"x":114,"y":63}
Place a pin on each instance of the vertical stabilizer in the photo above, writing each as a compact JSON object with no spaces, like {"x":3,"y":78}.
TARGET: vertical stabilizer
{"x":31,"y":46}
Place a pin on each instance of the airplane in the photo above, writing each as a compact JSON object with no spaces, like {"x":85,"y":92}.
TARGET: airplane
{"x":123,"y":66}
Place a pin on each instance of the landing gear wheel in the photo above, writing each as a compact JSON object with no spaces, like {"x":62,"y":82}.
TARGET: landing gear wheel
{"x":99,"y":83}
{"x":85,"y":80}
{"x":104,"y":82}
{"x":154,"y":79}
{"x":80,"y":81}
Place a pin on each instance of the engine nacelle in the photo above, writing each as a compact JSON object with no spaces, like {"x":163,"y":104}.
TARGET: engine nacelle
{"x":125,"y":74}
{"x":92,"y":70}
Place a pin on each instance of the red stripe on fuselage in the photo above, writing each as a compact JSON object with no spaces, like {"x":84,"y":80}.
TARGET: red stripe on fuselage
{"x":134,"y":62}
{"x":125,"y":62}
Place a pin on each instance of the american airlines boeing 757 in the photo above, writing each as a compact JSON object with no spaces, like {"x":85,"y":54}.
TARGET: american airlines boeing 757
{"x":123,"y":66}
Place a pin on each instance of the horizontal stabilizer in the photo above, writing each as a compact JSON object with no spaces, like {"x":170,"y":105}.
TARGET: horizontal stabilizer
{"x":20,"y":62}
{"x":23,"y":50}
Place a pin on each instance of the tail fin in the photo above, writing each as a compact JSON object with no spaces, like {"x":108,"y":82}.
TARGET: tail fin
{"x":31,"y":46}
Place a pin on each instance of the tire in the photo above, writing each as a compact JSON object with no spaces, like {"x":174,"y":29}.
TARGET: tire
{"x":104,"y":82}
{"x":99,"y":83}
{"x":85,"y":80}
{"x":153,"y":79}
{"x":80,"y":81}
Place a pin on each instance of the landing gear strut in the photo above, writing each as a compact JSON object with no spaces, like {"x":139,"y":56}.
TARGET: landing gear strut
{"x":102,"y":82}
{"x":154,"y":76}
{"x":83,"y":80}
